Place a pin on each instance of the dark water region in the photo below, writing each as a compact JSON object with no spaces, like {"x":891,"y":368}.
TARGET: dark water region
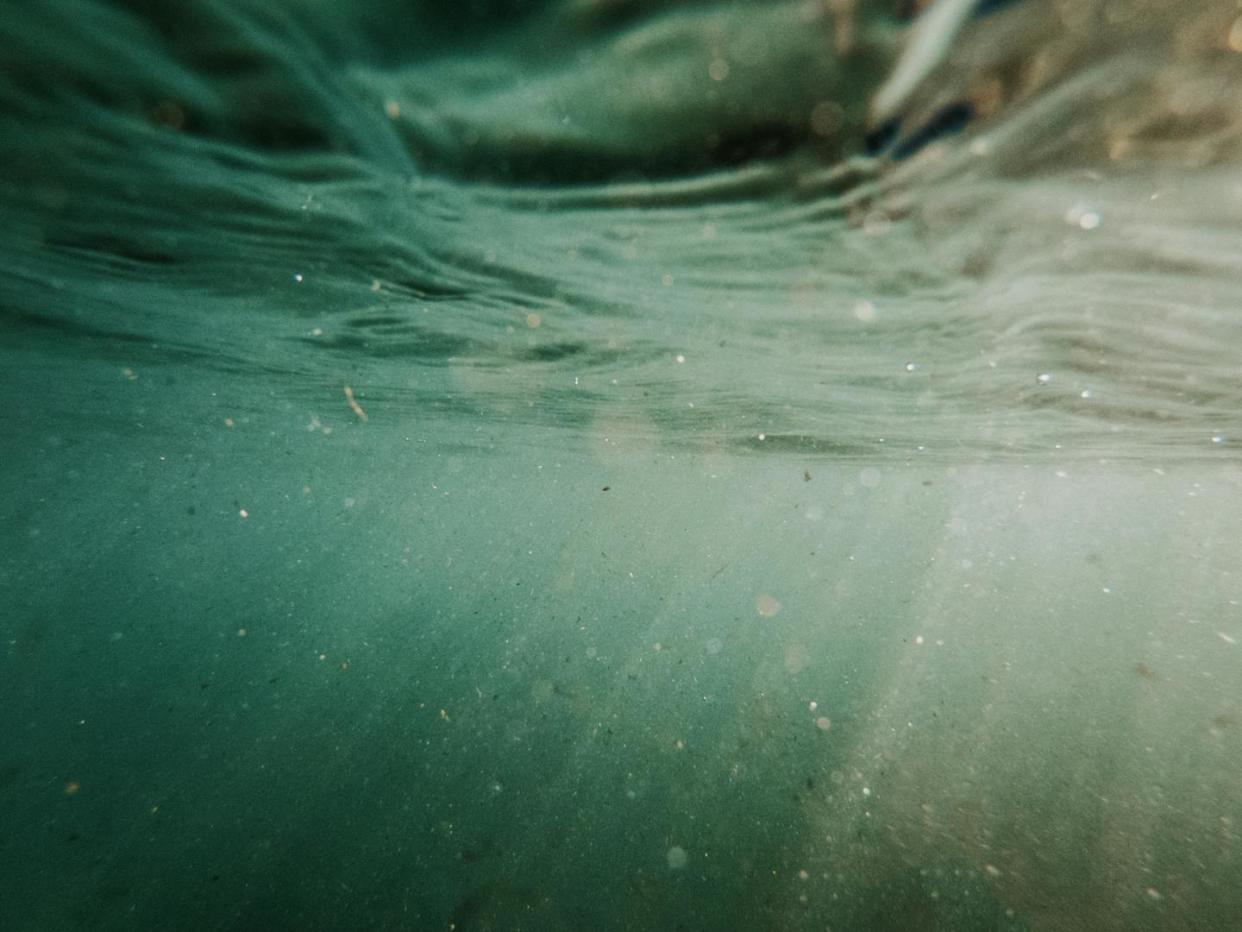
{"x":620,"y":464}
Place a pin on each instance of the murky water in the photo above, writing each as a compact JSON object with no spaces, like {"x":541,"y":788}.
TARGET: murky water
{"x":526,"y":466}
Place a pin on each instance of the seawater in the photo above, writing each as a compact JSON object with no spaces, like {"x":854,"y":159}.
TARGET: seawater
{"x":548,"y":466}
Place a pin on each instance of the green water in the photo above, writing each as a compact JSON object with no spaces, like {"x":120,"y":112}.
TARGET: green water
{"x":493,"y":467}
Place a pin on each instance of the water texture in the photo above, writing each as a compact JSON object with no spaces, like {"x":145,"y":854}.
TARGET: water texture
{"x":620,"y":464}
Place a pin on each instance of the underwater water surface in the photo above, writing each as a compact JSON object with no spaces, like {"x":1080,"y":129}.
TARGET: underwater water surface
{"x":620,"y":464}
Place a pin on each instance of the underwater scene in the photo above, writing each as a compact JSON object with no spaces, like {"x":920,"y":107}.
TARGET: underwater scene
{"x":621,"y":465}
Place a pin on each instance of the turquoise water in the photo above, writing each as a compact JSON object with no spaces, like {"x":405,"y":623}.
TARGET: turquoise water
{"x":526,"y":466}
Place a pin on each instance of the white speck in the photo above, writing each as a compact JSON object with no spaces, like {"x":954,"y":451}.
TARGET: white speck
{"x":813,"y":706}
{"x":767,"y":606}
{"x":864,"y":312}
{"x":677,"y":858}
{"x":992,"y":869}
{"x":1085,"y":393}
{"x":1044,"y":378}
{"x":297,"y":277}
{"x":910,"y":367}
{"x":680,"y":358}
{"x":1226,"y":638}
{"x":1082,"y":217}
{"x":1154,"y":893}
{"x":866,"y":791}
{"x":1218,"y":438}
{"x":919,"y":640}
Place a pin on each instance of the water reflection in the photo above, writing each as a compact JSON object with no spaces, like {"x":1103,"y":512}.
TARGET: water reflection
{"x":526,"y":466}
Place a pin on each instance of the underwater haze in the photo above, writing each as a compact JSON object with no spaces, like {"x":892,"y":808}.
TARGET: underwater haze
{"x":621,"y":465}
